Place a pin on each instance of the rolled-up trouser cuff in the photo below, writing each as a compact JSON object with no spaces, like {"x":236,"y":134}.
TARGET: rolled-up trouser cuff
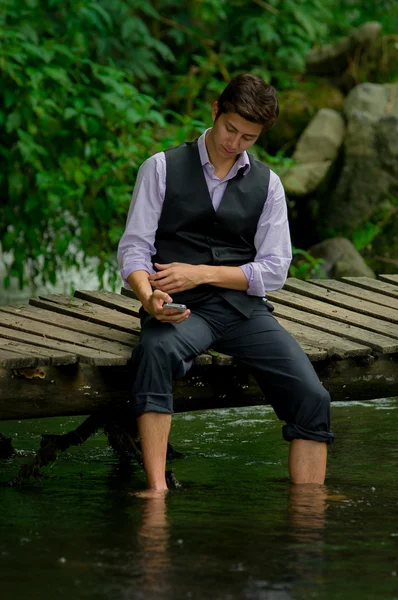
{"x":295,"y":432}
{"x":160,"y":403}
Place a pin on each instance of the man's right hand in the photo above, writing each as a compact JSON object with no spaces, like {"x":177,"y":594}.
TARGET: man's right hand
{"x":154,"y":306}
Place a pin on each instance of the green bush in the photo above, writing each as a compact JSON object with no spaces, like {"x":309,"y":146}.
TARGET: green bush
{"x":92,"y":87}
{"x":74,"y":133}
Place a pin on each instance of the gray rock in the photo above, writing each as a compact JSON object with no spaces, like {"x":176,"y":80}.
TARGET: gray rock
{"x":341,"y":259}
{"x":369,"y":177}
{"x":373,"y":99}
{"x":322,"y":139}
{"x":303,"y":179}
{"x":316,"y":150}
{"x":334,"y":58}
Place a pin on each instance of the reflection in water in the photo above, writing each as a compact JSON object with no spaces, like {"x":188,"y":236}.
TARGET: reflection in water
{"x":307,"y":508}
{"x":302,"y":563}
{"x":153,"y":537}
{"x":238,"y":532}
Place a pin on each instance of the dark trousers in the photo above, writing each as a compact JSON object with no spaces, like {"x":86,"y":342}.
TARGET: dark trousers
{"x":281,"y":368}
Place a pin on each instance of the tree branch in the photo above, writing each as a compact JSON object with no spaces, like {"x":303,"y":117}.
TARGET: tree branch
{"x":267,"y":6}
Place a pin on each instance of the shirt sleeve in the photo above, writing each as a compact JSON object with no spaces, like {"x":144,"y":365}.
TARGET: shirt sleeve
{"x":136,"y":246}
{"x":272,"y":241}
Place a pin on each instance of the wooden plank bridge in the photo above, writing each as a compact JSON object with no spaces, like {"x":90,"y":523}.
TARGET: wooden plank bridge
{"x":64,"y":355}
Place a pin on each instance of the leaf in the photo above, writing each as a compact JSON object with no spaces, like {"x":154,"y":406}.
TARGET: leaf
{"x":104,"y":14}
{"x":59,"y":75}
{"x":41,"y":52}
{"x":306,"y":23}
{"x":16,"y":181}
{"x":69,"y":113}
{"x":31,"y":203}
{"x":13,"y":122}
{"x":212,"y":352}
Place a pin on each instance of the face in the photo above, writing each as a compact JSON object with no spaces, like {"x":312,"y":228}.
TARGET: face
{"x":232,"y":134}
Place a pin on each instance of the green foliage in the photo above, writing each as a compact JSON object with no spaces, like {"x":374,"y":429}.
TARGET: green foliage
{"x":352,"y":13}
{"x":363,"y":237}
{"x":305,"y":266}
{"x":92,"y":87}
{"x":74,"y":133}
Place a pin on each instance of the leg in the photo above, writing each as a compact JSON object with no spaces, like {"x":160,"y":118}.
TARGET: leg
{"x":165,"y":352}
{"x":287,"y":378}
{"x":307,"y":461}
{"x":154,"y":429}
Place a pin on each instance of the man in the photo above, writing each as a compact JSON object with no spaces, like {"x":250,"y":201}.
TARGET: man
{"x":207,"y":227}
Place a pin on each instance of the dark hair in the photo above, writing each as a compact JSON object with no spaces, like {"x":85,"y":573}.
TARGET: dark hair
{"x":251,"y":98}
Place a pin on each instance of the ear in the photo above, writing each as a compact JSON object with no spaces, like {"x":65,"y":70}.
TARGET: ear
{"x":214,"y":110}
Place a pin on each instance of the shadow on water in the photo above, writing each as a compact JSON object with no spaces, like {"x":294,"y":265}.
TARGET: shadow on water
{"x":236,"y":530}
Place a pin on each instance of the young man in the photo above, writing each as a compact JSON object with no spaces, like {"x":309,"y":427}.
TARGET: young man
{"x":207,"y":227}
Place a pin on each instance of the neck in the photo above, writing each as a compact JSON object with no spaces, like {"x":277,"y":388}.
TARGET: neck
{"x":218,"y":162}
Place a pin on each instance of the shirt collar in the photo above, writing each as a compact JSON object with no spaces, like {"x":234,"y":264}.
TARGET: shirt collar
{"x":242,"y":161}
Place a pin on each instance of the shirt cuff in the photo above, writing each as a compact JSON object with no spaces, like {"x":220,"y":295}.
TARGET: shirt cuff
{"x":254,"y":289}
{"x":255,"y":281}
{"x":136,"y":266}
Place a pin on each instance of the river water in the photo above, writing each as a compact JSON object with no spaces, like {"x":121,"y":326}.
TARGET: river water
{"x":235,"y":530}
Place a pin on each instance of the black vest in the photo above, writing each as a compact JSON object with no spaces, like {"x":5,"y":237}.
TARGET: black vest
{"x":191,"y":231}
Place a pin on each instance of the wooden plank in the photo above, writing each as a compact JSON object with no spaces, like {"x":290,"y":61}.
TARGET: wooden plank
{"x":44,"y":356}
{"x":81,"y":389}
{"x":24,"y":324}
{"x":224,"y":360}
{"x":129,"y":293}
{"x":377,"y":342}
{"x":86,"y":355}
{"x":389,"y":278}
{"x":203,"y":360}
{"x":335,"y":346}
{"x":81,"y":309}
{"x":375,"y":285}
{"x":11,"y":360}
{"x":337,"y":299}
{"x":124,"y":304}
{"x":313,"y":353}
{"x":356,"y":292}
{"x":334,"y":312}
{"x":45,"y":314}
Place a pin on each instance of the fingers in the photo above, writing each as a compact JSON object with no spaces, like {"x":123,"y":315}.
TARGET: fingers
{"x":159,"y":275}
{"x":161,"y":296}
{"x":170,"y":288}
{"x":170,"y":315}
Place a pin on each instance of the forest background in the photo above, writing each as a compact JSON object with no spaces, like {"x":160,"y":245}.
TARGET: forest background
{"x":90,"y":89}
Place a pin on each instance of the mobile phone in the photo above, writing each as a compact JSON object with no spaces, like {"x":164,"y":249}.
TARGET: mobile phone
{"x":180,"y":307}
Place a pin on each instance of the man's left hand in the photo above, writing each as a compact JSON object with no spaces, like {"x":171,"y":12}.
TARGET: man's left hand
{"x":176,"y":277}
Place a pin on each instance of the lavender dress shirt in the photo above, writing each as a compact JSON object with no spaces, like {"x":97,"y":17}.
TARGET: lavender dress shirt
{"x":269,"y":269}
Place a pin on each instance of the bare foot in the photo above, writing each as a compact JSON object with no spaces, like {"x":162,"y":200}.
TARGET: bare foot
{"x":149,"y":493}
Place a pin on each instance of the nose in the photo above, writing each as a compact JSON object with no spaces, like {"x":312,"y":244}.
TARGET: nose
{"x":233,"y":143}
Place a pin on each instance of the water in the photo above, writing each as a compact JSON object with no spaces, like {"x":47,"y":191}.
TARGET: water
{"x":83,"y":277}
{"x":236,"y":529}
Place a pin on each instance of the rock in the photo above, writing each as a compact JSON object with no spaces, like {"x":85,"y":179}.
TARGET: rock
{"x":322,"y":139}
{"x":373,"y":99}
{"x":333,"y":59}
{"x":341,"y":259}
{"x":303,"y":179}
{"x":368,"y":182}
{"x":367,"y":33}
{"x":316,"y":150}
{"x":297,"y":107}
